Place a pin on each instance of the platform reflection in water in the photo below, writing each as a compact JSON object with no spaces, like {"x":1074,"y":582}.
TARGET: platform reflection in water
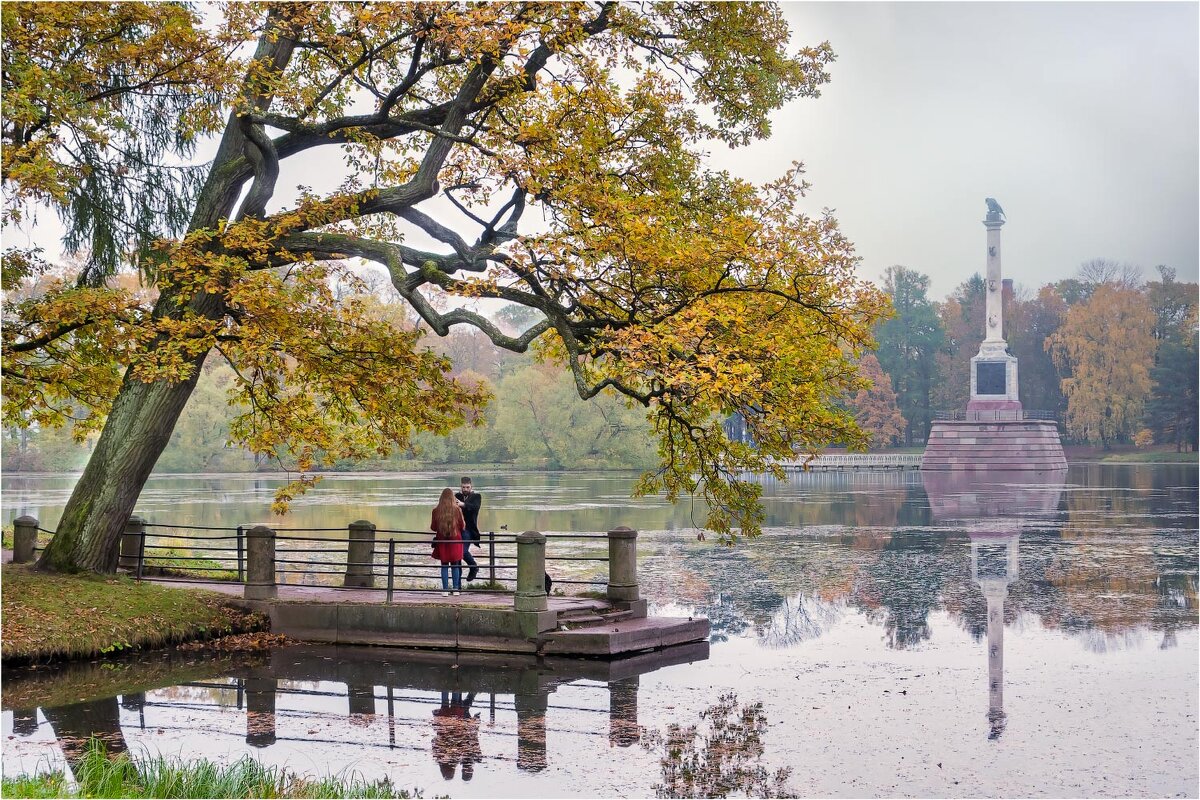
{"x":389,"y":699}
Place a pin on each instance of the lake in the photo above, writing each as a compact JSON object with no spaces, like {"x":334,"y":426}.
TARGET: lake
{"x":905,"y":637}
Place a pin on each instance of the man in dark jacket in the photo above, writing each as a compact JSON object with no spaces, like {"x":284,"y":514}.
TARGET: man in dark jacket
{"x":469,"y":501}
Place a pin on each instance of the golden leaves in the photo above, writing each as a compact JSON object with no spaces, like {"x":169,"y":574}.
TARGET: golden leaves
{"x":69,"y":69}
{"x":1106,"y":346}
{"x":695,"y":292}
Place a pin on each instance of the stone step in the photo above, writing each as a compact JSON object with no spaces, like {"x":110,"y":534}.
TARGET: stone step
{"x":625,"y":636}
{"x":580,"y":620}
{"x":574,"y":614}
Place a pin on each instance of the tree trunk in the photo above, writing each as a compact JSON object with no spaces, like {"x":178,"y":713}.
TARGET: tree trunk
{"x":143,"y":416}
{"x":137,"y":431}
{"x":76,"y":724}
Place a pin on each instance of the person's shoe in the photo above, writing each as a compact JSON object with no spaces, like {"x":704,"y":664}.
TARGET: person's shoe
{"x":445,"y":594}
{"x":472,"y":575}
{"x":456,"y":594}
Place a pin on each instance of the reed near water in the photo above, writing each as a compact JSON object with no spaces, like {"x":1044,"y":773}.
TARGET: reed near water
{"x":97,"y":775}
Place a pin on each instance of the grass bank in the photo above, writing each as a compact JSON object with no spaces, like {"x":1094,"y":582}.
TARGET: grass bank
{"x":144,"y":776}
{"x":1150,"y":458}
{"x":50,"y":617}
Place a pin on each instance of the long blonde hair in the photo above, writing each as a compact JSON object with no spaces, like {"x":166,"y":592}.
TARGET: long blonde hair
{"x":445,"y":514}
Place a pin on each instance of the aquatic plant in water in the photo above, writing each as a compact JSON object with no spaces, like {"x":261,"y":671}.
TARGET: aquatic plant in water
{"x":725,"y":758}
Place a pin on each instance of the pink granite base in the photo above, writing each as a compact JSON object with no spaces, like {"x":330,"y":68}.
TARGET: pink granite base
{"x":960,"y":445}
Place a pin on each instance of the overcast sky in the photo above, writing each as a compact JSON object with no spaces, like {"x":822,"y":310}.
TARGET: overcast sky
{"x":1080,"y":118}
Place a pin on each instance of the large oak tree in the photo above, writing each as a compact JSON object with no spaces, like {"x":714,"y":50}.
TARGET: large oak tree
{"x":551,"y":155}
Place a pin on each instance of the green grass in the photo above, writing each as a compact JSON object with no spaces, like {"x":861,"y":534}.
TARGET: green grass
{"x":1152,"y":457}
{"x":49,"y":616}
{"x":181,"y":563}
{"x":157,"y":776}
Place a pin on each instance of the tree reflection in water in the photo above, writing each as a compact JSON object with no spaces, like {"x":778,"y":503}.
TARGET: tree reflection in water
{"x":77,"y":724}
{"x":723,"y":758}
{"x":1098,"y":561}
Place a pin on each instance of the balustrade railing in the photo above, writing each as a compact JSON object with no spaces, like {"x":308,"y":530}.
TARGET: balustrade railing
{"x":994,"y":415}
{"x":840,"y":461}
{"x":362,"y":559}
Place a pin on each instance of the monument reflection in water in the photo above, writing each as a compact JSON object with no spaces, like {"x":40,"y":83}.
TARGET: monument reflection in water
{"x":412,"y":693}
{"x":993,"y":507}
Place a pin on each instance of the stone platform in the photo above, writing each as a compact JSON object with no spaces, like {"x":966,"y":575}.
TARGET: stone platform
{"x":972,"y":445}
{"x":481,"y":622}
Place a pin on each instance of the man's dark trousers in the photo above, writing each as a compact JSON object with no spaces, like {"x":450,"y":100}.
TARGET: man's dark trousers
{"x":471,"y":503}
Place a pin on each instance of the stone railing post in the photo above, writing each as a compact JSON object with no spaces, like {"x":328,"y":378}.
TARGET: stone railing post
{"x":131,"y":543}
{"x":360,"y":555}
{"x":260,"y":564}
{"x":531,"y":572}
{"x":531,"y":706}
{"x":260,"y":702}
{"x":622,"y":571}
{"x":622,"y":564}
{"x":24,"y":539}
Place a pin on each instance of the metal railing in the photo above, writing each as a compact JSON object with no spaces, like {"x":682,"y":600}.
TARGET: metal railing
{"x":391,"y":560}
{"x":995,"y":415}
{"x":850,"y":461}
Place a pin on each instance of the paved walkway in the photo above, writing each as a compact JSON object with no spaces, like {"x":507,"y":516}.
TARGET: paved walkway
{"x":327,"y":594}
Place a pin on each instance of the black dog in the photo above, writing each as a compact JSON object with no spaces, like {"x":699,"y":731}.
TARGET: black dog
{"x":549,"y":583}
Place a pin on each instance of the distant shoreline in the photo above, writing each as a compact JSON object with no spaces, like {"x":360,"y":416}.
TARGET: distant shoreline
{"x":1075,"y":455}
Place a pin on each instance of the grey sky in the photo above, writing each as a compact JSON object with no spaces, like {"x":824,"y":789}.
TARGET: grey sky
{"x":1080,"y":118}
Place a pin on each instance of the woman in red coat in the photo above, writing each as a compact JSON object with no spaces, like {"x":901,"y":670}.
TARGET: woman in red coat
{"x":447,"y":526}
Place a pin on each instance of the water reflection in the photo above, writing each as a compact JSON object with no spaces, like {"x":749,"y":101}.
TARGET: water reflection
{"x":993,"y":506}
{"x":456,"y":735}
{"x":871,"y":619}
{"x":75,"y":724}
{"x":1100,"y":563}
{"x":384,"y":696}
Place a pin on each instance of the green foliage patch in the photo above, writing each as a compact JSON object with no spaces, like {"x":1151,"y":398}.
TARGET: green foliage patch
{"x":97,"y":775}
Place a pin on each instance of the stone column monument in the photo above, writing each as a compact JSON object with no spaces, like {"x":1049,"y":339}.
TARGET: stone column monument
{"x":994,"y":432}
{"x":993,"y":370}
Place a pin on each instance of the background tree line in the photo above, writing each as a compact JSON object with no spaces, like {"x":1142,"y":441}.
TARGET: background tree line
{"x":1112,"y":356}
{"x":536,"y":420}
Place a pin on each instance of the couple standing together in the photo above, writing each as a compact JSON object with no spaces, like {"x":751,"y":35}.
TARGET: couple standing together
{"x":455,"y":528}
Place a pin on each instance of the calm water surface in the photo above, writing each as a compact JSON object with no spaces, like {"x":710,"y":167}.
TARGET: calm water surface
{"x":905,"y":638}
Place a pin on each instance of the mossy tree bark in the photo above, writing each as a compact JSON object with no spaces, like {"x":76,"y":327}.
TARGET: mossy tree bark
{"x":144,"y":414}
{"x":138,"y":429}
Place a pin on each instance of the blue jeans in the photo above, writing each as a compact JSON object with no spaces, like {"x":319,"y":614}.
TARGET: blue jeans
{"x":470,"y":559}
{"x":457,"y":570}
